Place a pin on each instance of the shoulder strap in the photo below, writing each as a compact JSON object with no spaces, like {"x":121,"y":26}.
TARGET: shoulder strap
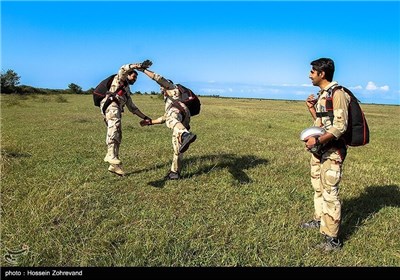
{"x":334,"y":88}
{"x":176,"y":104}
{"x":329,"y":100}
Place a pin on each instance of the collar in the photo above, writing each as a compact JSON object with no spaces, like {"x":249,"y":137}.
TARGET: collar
{"x":331,"y":84}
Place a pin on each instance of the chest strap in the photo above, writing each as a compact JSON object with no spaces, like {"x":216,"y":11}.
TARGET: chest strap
{"x":324,"y":114}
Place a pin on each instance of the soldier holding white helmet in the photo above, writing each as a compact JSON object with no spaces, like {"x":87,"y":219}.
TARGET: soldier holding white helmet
{"x":329,"y":152}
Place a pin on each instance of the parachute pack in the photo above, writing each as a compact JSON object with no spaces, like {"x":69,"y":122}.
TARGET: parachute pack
{"x":101,"y":90}
{"x":192,"y":102}
{"x":357,"y":133}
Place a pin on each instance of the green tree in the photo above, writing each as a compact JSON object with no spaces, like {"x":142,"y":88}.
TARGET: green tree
{"x":74,"y":88}
{"x":9,"y":81}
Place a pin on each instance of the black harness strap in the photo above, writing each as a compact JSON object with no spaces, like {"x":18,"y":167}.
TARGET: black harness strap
{"x":323,"y":114}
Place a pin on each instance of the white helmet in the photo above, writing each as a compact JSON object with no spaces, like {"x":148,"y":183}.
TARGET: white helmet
{"x":311,"y":132}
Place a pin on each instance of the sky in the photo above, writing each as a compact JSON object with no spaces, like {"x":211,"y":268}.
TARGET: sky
{"x":257,"y":49}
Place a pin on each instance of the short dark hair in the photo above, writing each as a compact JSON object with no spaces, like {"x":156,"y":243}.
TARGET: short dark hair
{"x":324,"y":64}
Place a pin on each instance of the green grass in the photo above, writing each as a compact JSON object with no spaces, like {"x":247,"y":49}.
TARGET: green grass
{"x":245,"y":190}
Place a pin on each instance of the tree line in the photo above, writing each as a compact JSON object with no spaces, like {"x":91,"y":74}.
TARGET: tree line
{"x":10,"y":84}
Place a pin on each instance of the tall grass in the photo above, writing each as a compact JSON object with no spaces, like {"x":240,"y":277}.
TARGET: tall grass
{"x":244,"y":192}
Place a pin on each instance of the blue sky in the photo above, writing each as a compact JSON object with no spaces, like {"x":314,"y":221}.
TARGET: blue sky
{"x":259,"y":49}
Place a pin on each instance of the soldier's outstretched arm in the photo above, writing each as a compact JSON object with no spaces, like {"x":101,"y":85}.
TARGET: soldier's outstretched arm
{"x":158,"y":78}
{"x":126,"y":68}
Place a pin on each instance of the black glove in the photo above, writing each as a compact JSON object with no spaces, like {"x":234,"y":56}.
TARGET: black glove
{"x":317,"y":148}
{"x":145,"y":64}
{"x":146,"y":121}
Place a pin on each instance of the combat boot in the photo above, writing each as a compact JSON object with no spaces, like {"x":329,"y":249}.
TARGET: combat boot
{"x":117,"y":169}
{"x":112,"y":155}
{"x":330,"y":244}
{"x":187,"y":138}
{"x":173,"y":176}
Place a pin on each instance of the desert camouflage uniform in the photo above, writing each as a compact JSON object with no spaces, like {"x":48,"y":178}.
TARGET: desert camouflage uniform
{"x":326,"y":171}
{"x":113,"y":112}
{"x":177,"y":119}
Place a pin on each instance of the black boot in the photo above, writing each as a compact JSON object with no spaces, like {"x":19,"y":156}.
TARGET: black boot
{"x":172,"y":176}
{"x":187,"y":139}
{"x":330,"y":244}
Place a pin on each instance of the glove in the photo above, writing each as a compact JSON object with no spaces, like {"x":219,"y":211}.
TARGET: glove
{"x":145,"y":64}
{"x":146,"y":121}
{"x":317,"y":149}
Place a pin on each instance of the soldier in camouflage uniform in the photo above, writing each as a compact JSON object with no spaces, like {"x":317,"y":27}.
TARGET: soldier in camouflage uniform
{"x":112,"y":106}
{"x":177,"y":118}
{"x":327,"y":161}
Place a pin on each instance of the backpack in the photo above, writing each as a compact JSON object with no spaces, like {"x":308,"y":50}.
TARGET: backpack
{"x":101,"y":90}
{"x":357,"y":133}
{"x":192,"y":102}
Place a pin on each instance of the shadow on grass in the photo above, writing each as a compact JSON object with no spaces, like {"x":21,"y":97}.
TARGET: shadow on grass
{"x":357,"y":210}
{"x":235,"y":165}
{"x":13,"y":154}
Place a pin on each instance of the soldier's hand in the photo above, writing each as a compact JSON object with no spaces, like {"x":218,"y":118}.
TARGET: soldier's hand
{"x":146,"y":64}
{"x":310,"y":101}
{"x":314,"y":146}
{"x":145,"y":122}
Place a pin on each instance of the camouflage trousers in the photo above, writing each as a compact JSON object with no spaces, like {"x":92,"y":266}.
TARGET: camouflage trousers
{"x":179,"y":123}
{"x":112,"y":118}
{"x":326,"y":173}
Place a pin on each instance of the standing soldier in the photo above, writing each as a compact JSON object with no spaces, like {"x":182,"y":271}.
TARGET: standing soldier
{"x":177,"y":118}
{"x":112,"y":105}
{"x":329,"y":152}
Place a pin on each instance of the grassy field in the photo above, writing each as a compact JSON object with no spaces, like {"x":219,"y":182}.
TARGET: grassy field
{"x":245,"y":190}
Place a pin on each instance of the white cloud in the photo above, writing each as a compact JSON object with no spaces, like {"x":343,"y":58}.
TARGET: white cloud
{"x":373,"y":86}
